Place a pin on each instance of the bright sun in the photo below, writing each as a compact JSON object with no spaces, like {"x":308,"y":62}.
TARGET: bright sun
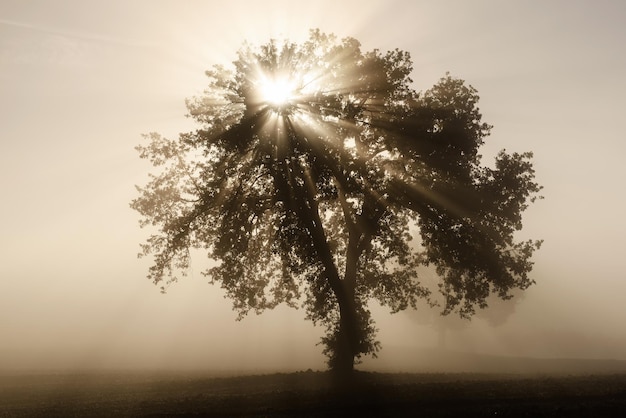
{"x":277,"y":92}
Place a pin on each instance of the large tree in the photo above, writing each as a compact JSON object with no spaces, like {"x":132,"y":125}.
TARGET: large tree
{"x":319,"y":178}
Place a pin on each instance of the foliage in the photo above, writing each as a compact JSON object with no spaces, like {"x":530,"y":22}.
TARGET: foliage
{"x":338,"y":194}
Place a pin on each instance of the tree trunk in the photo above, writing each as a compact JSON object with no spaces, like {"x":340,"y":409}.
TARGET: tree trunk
{"x":348,"y":341}
{"x":348,"y":338}
{"x":441,"y":341}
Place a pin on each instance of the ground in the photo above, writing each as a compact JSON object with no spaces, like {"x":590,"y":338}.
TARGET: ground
{"x":310,"y":394}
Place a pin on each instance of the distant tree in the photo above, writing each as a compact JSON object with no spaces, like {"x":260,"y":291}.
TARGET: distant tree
{"x":318,"y":177}
{"x":496,"y":314}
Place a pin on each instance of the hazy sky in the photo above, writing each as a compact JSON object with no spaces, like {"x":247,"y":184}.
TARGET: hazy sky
{"x":80,"y":81}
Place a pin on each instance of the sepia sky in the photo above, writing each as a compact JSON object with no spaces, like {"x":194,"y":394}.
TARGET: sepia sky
{"x":80,"y":81}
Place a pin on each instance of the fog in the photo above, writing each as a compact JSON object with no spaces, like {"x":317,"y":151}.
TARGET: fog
{"x":81,"y":81}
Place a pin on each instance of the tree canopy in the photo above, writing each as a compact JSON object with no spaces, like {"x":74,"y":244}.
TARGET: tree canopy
{"x":320,"y":179}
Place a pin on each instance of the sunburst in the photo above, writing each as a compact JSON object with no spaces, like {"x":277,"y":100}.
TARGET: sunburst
{"x":277,"y":91}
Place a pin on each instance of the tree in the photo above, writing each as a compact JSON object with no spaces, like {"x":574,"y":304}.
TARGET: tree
{"x":319,"y":178}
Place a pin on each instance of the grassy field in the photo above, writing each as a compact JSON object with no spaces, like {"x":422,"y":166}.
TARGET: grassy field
{"x":310,"y":394}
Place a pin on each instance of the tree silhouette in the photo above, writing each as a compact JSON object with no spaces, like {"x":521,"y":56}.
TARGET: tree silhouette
{"x":319,"y":178}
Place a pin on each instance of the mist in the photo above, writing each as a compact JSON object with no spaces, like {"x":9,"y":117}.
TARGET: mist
{"x":80,"y":84}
